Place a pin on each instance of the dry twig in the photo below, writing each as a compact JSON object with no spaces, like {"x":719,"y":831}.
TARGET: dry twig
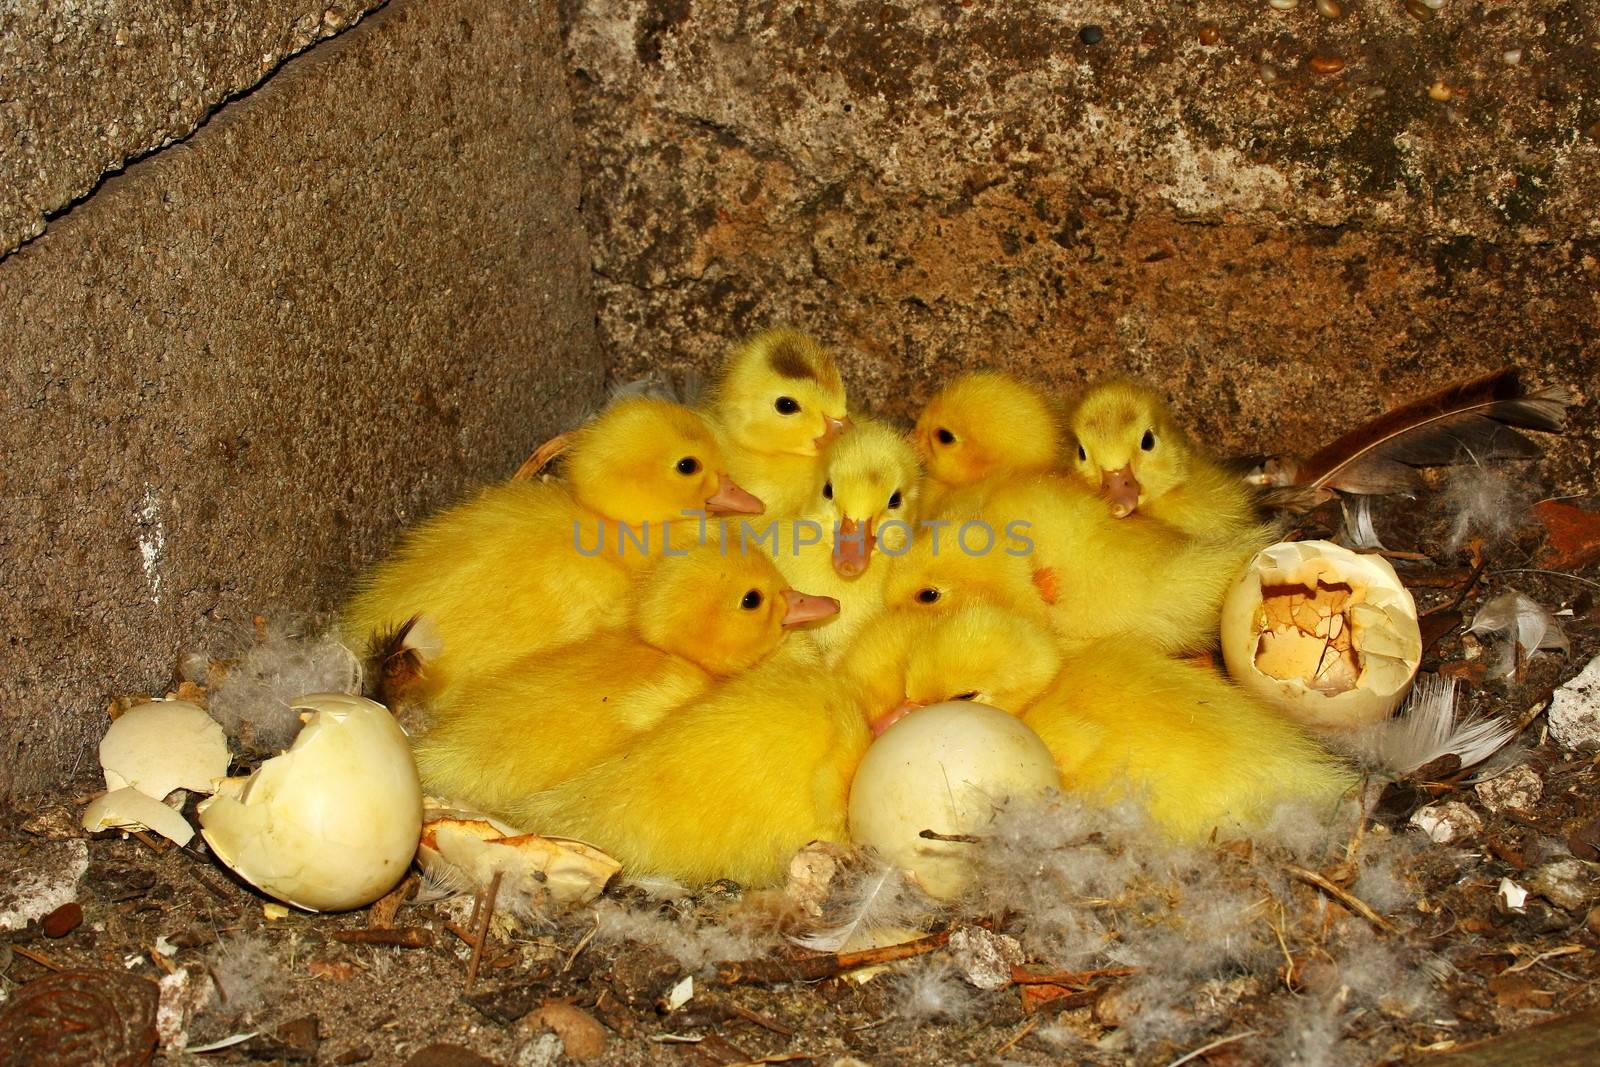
{"x":1343,"y":896}
{"x":37,"y":957}
{"x":480,"y":927}
{"x":750,"y":1015}
{"x":398,"y":936}
{"x":1218,"y":1043}
{"x":385,"y":908}
{"x":826,"y":965}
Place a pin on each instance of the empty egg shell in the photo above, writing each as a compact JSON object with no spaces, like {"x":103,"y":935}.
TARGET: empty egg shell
{"x":1324,"y":634}
{"x":332,"y":823}
{"x":164,"y":745}
{"x":945,"y":768}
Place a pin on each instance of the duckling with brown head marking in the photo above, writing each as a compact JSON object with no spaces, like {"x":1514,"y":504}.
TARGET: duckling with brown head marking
{"x":778,"y":402}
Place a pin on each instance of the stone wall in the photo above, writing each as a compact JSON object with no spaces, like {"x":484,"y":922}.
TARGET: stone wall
{"x":235,"y":370}
{"x":1286,"y":218}
{"x":91,"y":84}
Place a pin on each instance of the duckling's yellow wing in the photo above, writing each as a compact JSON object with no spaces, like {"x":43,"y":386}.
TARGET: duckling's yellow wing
{"x":730,"y":786}
{"x":548,"y":717}
{"x":1124,"y":721}
{"x":505,"y":574}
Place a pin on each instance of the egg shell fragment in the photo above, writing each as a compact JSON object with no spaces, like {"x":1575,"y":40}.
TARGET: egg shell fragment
{"x":128,"y":808}
{"x":946,"y":768}
{"x":164,"y":745}
{"x":1277,"y":648}
{"x":475,"y":848}
{"x":331,"y":824}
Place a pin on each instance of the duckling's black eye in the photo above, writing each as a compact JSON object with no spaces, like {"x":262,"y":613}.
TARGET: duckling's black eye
{"x":786,"y":405}
{"x":945,"y":436}
{"x":1082,"y":455}
{"x":928,"y":596}
{"x":973,"y":695}
{"x":827,"y":490}
{"x":751,"y":601}
{"x":688,"y":465}
{"x":1148,"y":441}
{"x":894,"y":501}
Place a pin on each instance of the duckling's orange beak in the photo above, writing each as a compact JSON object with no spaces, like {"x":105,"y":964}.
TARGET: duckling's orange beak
{"x":729,"y":499}
{"x":1122,"y":489}
{"x":832,"y":428}
{"x":852,"y":547}
{"x":893,"y":715}
{"x":803,"y":607}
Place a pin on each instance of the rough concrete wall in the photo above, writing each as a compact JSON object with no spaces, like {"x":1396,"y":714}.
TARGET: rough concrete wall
{"x":86,"y":85}
{"x":1288,"y":219}
{"x":239,"y":367}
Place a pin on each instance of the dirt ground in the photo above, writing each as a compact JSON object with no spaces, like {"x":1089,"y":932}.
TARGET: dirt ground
{"x":549,"y":990}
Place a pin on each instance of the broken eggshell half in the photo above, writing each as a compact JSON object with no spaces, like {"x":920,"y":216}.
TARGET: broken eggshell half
{"x":946,"y":768}
{"x":164,"y":745}
{"x":332,"y":823}
{"x":1326,"y":635}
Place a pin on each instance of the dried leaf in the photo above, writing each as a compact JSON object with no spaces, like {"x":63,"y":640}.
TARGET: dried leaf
{"x":1573,"y":540}
{"x":1584,"y":842}
{"x":1519,"y":992}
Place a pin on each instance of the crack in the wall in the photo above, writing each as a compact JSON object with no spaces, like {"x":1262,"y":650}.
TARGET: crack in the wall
{"x":205,"y":120}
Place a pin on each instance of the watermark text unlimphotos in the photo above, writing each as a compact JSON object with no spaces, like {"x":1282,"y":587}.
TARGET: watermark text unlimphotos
{"x":892,"y":537}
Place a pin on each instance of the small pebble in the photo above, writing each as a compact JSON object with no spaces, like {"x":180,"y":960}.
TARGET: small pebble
{"x":1209,"y":35}
{"x":1518,"y":789}
{"x":1574,"y":714}
{"x":1284,"y":5}
{"x":63,"y":920}
{"x":1330,"y":9}
{"x":1511,"y":56}
{"x":1326,"y":64}
{"x":1418,"y":10}
{"x":1440,"y":92}
{"x":1564,"y":883}
{"x":1091,"y":34}
{"x":1448,"y":821}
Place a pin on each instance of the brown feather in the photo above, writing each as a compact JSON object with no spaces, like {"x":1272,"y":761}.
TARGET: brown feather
{"x":394,"y":669}
{"x":1468,"y":420}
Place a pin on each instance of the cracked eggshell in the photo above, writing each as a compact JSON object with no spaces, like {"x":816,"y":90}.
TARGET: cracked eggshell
{"x":331,"y":824}
{"x":474,"y":848}
{"x":945,"y":768}
{"x":1326,"y":635}
{"x":164,"y":745}
{"x":131,"y":809}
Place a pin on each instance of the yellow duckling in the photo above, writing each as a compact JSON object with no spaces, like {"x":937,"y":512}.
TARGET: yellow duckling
{"x":778,"y":402}
{"x":863,"y":506}
{"x":1122,"y":720}
{"x":730,"y":785}
{"x":1132,"y":452}
{"x":1045,"y":547}
{"x":695,"y":619}
{"x":526,"y":566}
{"x":985,"y":424}
{"x":907,"y":659}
